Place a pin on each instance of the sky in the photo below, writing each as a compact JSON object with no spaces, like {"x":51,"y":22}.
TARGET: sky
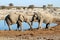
{"x":30,"y":2}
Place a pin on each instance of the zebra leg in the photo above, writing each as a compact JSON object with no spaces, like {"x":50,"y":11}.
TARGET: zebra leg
{"x":8,"y":23}
{"x":40,"y":23}
{"x":20,"y":24}
{"x":47,"y":25}
{"x":30,"y":25}
{"x":17,"y":26}
{"x":9,"y":27}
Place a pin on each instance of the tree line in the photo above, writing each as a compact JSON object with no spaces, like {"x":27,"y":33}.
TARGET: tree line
{"x":11,"y":5}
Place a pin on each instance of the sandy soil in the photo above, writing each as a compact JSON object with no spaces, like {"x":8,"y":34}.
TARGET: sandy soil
{"x":35,"y":34}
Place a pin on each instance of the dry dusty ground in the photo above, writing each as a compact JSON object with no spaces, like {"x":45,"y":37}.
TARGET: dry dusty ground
{"x":36,"y":34}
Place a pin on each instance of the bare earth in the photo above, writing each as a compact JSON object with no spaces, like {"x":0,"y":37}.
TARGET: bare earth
{"x":35,"y":34}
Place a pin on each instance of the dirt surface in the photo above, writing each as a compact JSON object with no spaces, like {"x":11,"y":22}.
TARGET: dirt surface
{"x":35,"y":34}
